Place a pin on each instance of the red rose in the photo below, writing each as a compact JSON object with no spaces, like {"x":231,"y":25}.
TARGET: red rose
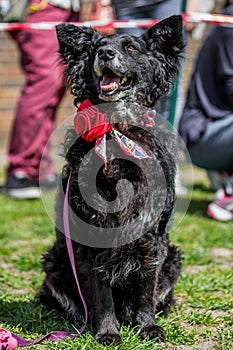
{"x":96,"y":132}
{"x":90,"y":122}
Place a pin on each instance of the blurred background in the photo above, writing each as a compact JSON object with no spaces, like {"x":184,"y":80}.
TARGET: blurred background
{"x":11,"y":77}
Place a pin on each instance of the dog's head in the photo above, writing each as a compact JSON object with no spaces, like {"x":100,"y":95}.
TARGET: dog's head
{"x":121,"y":67}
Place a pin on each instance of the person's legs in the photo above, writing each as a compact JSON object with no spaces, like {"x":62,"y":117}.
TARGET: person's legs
{"x":41,"y":94}
{"x":214,"y":150}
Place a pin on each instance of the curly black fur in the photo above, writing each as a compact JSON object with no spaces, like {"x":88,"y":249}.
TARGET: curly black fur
{"x":131,"y":281}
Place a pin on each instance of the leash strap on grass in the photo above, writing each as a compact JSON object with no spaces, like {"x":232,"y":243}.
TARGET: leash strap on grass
{"x":71,"y":251}
{"x":59,"y":335}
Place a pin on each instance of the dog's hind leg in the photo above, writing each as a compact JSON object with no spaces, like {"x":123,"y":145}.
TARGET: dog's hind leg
{"x":167,"y":279}
{"x":54,"y":299}
{"x":58,"y":289}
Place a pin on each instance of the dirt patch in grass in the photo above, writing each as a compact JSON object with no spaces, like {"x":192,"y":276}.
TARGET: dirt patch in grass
{"x":208,"y":345}
{"x":222,"y":255}
{"x":179,"y":347}
{"x":195,"y":269}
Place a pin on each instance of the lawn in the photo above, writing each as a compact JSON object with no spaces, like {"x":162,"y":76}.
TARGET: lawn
{"x":201,"y":319}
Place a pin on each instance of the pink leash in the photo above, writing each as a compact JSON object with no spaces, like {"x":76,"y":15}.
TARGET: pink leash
{"x":59,"y":335}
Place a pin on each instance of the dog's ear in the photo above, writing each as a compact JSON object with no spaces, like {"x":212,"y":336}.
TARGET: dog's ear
{"x":73,"y":39}
{"x":166,"y":37}
{"x":76,"y":45}
{"x":165,"y":44}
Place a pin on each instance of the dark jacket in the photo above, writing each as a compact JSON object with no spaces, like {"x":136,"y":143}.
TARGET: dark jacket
{"x":210,"y":94}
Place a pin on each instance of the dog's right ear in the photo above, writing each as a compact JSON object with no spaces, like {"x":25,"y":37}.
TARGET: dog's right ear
{"x":74,"y":40}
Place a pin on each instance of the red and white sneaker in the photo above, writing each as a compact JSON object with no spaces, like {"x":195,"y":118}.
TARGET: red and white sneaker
{"x":222,"y":207}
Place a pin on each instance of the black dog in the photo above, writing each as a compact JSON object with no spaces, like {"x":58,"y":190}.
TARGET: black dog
{"x":128,"y":274}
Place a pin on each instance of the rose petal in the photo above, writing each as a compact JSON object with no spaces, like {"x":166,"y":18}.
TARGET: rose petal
{"x":88,"y":117}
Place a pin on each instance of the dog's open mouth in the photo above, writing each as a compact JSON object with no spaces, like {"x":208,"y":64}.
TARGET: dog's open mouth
{"x":110,"y":82}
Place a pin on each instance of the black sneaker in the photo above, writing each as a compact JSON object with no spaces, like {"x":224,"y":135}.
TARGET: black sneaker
{"x":20,"y":187}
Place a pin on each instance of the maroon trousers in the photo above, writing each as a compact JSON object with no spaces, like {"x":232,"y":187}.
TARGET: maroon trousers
{"x":40,"y":96}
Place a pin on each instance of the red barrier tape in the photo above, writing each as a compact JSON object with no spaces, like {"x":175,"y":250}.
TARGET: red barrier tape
{"x":197,"y":17}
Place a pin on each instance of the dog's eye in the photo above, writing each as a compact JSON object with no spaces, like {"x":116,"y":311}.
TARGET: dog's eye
{"x":131,"y":48}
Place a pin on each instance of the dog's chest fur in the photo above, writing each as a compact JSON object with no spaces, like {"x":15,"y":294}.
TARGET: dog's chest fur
{"x":119,"y":267}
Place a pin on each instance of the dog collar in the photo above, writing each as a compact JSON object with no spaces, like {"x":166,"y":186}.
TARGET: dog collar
{"x":94,"y":125}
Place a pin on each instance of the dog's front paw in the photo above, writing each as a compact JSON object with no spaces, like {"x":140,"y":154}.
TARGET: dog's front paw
{"x":152,"y":332}
{"x":108,"y":338}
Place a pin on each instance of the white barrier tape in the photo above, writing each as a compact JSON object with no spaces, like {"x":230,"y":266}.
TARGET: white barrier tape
{"x":142,"y":23}
{"x":103,"y":23}
{"x":210,"y":18}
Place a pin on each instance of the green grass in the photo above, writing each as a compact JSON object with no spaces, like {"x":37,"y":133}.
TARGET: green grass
{"x":201,"y":319}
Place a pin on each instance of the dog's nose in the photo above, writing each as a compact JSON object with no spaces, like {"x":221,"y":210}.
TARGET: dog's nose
{"x":106,"y":53}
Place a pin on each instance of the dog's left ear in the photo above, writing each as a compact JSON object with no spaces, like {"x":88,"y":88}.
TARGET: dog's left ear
{"x":76,"y":45}
{"x":166,"y":37}
{"x":74,"y":42}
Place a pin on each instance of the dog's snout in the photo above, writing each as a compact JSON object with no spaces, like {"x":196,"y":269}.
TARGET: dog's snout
{"x":106,"y":53}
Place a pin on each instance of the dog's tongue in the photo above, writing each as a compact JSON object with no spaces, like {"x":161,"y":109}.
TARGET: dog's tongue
{"x":109,"y":82}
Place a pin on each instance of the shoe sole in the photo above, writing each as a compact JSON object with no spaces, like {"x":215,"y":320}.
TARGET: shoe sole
{"x":218,"y":213}
{"x":23,"y":193}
